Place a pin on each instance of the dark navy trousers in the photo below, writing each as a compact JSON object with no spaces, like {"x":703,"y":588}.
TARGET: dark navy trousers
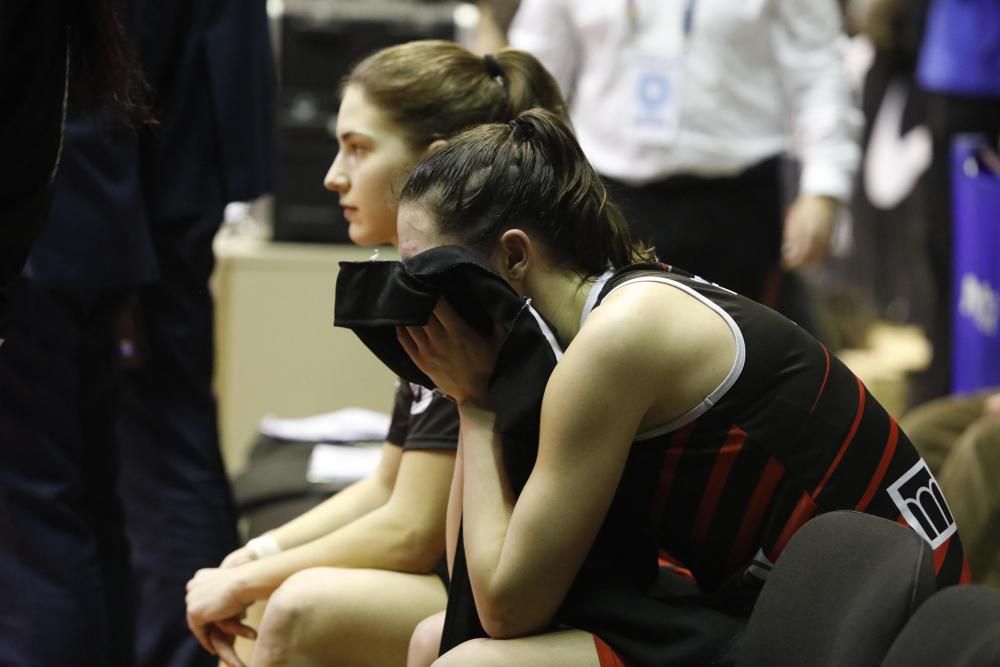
{"x":177,"y":496}
{"x":64,"y":563}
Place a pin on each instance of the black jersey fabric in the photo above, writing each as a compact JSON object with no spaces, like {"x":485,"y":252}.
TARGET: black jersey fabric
{"x":422,"y":419}
{"x":794,"y":434}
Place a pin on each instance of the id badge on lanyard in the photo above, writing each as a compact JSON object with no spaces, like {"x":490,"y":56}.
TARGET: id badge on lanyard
{"x":655,"y":79}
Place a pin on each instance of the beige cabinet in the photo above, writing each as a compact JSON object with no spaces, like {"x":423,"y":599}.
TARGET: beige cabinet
{"x":277,"y":351}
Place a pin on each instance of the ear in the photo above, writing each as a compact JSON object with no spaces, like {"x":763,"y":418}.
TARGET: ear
{"x":515,"y":255}
{"x":436,"y":144}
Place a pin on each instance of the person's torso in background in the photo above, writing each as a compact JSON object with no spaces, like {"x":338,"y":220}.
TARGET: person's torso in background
{"x":733,"y":100}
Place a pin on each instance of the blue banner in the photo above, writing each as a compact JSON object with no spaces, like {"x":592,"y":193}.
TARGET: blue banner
{"x":976,"y":215}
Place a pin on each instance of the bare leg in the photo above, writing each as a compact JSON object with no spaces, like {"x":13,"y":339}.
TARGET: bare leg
{"x":425,"y":641}
{"x":341,"y":616}
{"x":565,"y":648}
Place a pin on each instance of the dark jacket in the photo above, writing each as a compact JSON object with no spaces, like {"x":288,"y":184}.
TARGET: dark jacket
{"x":212,"y":143}
{"x":33,"y":43}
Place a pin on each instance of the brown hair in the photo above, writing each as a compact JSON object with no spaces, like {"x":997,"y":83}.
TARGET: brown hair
{"x":432,"y":89}
{"x":106,"y":75}
{"x":528,"y":173}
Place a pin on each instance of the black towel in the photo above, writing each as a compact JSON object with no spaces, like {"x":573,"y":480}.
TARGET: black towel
{"x":373,"y":298}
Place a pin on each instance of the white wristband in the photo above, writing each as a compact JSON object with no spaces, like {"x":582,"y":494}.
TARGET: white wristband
{"x":263,"y":546}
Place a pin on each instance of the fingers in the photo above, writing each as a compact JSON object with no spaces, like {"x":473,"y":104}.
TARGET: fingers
{"x":444,"y":321}
{"x":446,"y":317}
{"x":233,"y":626}
{"x":803,"y":246}
{"x":405,"y":339}
{"x":238,"y":557}
{"x":792,"y":256}
{"x":222,"y":645}
{"x":417,"y":340}
{"x":419,"y":337}
{"x":200,"y":632}
{"x":808,"y":230}
{"x":795,"y":245}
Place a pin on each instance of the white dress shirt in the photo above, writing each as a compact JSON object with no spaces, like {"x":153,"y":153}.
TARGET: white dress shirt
{"x":757,"y":77}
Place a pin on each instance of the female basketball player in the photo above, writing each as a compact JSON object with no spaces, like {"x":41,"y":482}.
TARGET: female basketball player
{"x":682,"y":421}
{"x":347,"y":581}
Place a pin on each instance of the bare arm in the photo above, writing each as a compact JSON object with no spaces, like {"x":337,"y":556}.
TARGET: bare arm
{"x":405,"y":534}
{"x":454,"y":517}
{"x":355,"y":501}
{"x":511,"y":547}
{"x":524,"y":553}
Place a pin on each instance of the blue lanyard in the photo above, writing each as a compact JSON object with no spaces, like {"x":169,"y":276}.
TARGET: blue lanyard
{"x":632,"y":14}
{"x":688,"y":17}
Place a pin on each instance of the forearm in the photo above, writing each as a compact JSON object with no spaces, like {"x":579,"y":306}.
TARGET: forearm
{"x":488,"y":504}
{"x":454,"y":515}
{"x":350,"y":504}
{"x":385,"y":539}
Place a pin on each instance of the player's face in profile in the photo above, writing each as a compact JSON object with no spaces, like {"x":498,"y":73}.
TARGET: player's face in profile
{"x":373,"y":156}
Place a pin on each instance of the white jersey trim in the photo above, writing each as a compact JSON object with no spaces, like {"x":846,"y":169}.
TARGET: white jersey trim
{"x":546,"y":331}
{"x":716,"y":394}
{"x":595,"y":291}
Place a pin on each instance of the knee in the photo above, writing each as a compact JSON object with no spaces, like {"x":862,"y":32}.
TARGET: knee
{"x":293,"y":600}
{"x":288,"y":609}
{"x":425,"y":641}
{"x":473,"y":653}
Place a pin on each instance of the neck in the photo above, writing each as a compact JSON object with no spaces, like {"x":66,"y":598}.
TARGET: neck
{"x":560,"y":296}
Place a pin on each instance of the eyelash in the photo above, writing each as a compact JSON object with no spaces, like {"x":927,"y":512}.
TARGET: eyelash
{"x":354,"y":150}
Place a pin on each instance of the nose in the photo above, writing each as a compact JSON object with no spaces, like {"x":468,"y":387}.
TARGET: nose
{"x":336,"y":180}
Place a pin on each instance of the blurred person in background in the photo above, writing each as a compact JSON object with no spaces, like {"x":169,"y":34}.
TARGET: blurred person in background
{"x":346,"y":582}
{"x":495,"y":17}
{"x":959,"y":69}
{"x":63,"y":553}
{"x":37,"y":72}
{"x":686,"y":108}
{"x":959,"y":437}
{"x":130,"y":231}
{"x":35,"y":37}
{"x":210,"y":67}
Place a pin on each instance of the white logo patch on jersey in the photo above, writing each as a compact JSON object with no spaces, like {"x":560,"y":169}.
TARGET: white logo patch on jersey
{"x":918,"y":496}
{"x":421,"y":398}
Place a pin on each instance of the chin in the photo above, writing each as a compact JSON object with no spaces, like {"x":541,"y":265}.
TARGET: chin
{"x":365,"y":235}
{"x":361,"y":236}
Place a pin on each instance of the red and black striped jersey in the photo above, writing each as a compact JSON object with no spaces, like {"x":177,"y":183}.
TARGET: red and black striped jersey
{"x":789,"y":434}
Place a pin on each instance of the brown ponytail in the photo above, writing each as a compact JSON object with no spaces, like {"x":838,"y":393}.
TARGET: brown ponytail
{"x":528,"y":173}
{"x":433,"y":89}
{"x":529,"y":85}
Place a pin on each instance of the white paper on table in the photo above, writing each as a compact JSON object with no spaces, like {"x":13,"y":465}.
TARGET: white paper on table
{"x":346,"y":425}
{"x":331,"y":464}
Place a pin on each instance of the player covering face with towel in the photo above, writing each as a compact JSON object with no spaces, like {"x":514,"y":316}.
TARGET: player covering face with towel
{"x":683,"y":423}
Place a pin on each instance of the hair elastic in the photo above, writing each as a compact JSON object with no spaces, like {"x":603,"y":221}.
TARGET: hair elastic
{"x":493,"y":69}
{"x":526,"y":129}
